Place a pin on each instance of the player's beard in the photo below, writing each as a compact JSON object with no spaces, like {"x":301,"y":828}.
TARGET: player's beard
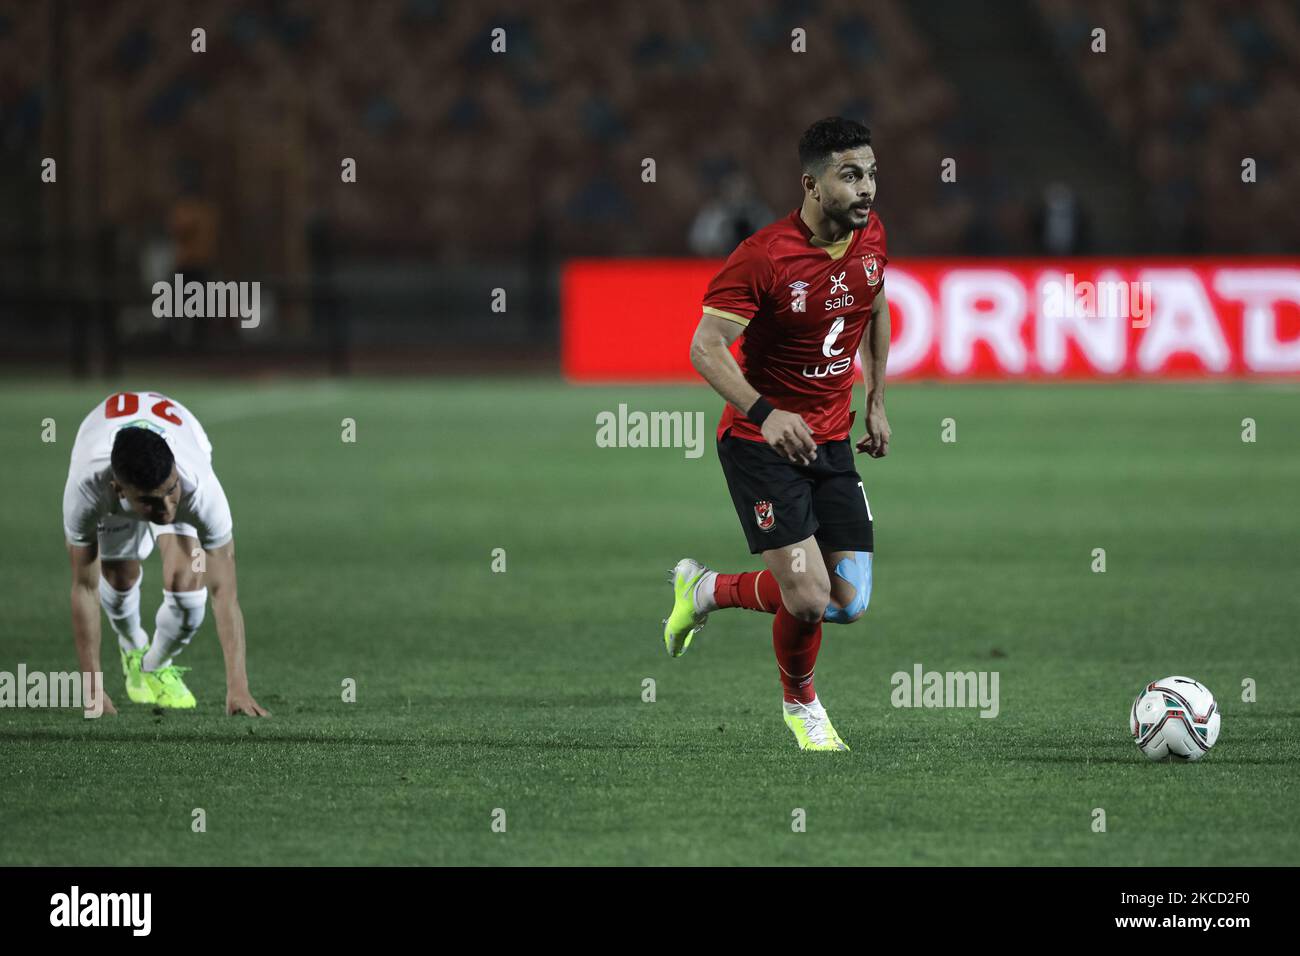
{"x":848,"y":217}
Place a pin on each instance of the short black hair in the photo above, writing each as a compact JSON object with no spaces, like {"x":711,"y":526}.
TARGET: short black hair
{"x":826,"y":136}
{"x":141,"y":458}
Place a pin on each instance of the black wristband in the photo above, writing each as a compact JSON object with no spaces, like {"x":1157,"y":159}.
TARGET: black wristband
{"x":759,"y":411}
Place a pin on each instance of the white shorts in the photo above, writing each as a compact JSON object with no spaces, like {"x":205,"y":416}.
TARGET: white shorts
{"x":121,"y":539}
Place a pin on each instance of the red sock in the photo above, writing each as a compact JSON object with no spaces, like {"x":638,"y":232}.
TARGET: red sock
{"x":796,"y":644}
{"x":755,"y":590}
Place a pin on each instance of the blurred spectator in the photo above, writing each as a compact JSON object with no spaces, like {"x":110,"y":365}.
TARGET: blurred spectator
{"x":1060,"y":224}
{"x":730,"y":218}
{"x":192,"y":226}
{"x":192,"y":223}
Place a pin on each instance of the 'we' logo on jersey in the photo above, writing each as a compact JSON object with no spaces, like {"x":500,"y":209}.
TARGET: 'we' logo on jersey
{"x":828,"y":348}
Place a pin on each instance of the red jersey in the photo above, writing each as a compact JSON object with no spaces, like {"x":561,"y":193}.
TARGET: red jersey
{"x":805,"y":305}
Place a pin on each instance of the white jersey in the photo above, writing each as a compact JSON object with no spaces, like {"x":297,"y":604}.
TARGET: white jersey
{"x":88,"y":497}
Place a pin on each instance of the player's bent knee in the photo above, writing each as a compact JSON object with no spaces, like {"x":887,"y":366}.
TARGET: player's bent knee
{"x":807,"y":602}
{"x":856,"y":571}
{"x":120,"y":575}
{"x":181,"y":581}
{"x":184,"y":583}
{"x":806,"y":612}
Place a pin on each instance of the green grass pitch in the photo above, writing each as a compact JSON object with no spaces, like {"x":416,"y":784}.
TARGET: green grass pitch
{"x":523,"y":690}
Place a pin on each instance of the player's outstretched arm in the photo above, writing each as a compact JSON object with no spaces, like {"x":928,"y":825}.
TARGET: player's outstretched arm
{"x":787,"y":432}
{"x":84,"y":561}
{"x":874,"y":352}
{"x":222,"y":586}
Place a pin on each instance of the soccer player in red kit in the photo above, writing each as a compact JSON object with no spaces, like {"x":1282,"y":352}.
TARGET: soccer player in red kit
{"x":806,"y":292}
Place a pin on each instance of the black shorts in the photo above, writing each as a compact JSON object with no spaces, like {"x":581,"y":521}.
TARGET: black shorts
{"x":780,"y":503}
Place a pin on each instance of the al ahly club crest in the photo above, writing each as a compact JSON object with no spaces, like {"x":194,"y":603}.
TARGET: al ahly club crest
{"x":763,"y":513}
{"x":871,"y":266}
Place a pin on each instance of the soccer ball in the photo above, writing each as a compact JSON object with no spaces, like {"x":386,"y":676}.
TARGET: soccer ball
{"x":1175,"y":718}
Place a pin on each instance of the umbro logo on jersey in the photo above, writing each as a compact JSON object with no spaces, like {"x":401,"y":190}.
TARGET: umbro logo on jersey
{"x":799,"y":296}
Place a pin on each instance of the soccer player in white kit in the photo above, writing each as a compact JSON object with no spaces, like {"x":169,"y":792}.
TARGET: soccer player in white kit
{"x":141,"y":474}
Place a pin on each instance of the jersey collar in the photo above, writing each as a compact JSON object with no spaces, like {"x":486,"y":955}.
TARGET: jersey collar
{"x":835,"y":250}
